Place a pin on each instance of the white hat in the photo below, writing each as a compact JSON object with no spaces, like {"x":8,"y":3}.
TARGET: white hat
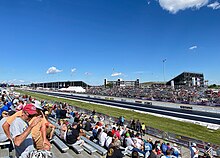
{"x":193,"y":144}
{"x":37,"y":104}
{"x":175,"y":145}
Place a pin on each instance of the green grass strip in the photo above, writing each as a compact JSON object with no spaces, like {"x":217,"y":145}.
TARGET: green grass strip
{"x":164,"y":124}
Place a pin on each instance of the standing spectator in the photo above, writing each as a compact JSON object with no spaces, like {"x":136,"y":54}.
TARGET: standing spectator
{"x":138,"y":126}
{"x":143,"y":128}
{"x":58,"y":112}
{"x":21,"y":131}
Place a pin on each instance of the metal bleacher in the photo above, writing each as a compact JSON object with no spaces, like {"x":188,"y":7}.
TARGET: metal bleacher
{"x":64,"y":146}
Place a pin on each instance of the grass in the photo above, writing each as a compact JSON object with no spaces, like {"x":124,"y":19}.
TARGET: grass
{"x":164,"y":124}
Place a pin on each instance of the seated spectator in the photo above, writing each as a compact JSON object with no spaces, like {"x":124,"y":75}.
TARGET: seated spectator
{"x":102,"y":137}
{"x":114,"y":151}
{"x":135,"y":154}
{"x":50,"y":128}
{"x":138,"y":142}
{"x":39,"y":133}
{"x":175,"y":150}
{"x":153,"y":153}
{"x":20,"y":105}
{"x":21,"y":132}
{"x":164,"y":147}
{"x":117,"y":133}
{"x":6,"y":107}
{"x":5,"y":115}
{"x":88,"y":126}
{"x":72,"y":136}
{"x":128,"y":140}
{"x":194,"y":152}
{"x":8,"y":122}
{"x":94,"y":133}
{"x":168,"y":154}
{"x":63,"y":129}
{"x":108,"y":139}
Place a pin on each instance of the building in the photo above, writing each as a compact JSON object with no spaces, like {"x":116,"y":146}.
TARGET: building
{"x":121,"y":83}
{"x":59,"y":84}
{"x":187,"y":79}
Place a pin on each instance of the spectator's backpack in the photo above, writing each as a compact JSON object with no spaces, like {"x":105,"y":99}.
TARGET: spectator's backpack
{"x":40,"y":154}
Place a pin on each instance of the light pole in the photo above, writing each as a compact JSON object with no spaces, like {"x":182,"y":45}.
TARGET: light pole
{"x":164,"y":60}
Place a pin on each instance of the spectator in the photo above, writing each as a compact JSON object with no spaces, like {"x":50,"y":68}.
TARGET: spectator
{"x":102,"y":137}
{"x":5,"y":115}
{"x":168,"y":154}
{"x":194,"y":151}
{"x":39,"y":133}
{"x":153,"y":153}
{"x":108,"y":139}
{"x":72,"y":137}
{"x":143,"y":128}
{"x":135,"y":154}
{"x":6,"y":107}
{"x":176,"y":151}
{"x":128,"y":140}
{"x":21,"y":131}
{"x":88,"y":126}
{"x":114,"y":151}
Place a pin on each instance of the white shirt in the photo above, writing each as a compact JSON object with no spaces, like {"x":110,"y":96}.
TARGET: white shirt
{"x":102,"y":137}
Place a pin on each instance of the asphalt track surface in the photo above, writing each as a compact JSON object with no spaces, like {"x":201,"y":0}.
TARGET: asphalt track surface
{"x":206,"y":117}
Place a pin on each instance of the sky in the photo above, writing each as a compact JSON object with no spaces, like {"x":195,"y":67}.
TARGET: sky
{"x":93,"y":40}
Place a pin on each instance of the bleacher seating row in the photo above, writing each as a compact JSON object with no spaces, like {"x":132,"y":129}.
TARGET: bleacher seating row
{"x":89,"y":146}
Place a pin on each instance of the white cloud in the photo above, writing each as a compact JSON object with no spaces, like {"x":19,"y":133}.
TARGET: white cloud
{"x":174,"y":6}
{"x":116,"y":74}
{"x":53,"y":70}
{"x":193,"y":47}
{"x":215,"y":5}
{"x":73,"y":70}
{"x":88,"y":73}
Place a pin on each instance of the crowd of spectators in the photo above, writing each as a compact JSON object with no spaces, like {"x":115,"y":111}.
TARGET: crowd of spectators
{"x":23,"y":123}
{"x":188,"y":95}
{"x":30,"y":131}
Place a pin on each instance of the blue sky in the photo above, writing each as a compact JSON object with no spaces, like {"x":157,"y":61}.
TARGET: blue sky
{"x":89,"y":40}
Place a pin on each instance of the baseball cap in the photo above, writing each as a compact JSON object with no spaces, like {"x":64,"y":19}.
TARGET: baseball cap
{"x":193,"y":144}
{"x":30,"y":109}
{"x":175,"y":145}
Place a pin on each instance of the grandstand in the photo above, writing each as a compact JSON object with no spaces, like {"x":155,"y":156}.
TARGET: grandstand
{"x":59,"y":84}
{"x":121,"y":83}
{"x":187,"y":79}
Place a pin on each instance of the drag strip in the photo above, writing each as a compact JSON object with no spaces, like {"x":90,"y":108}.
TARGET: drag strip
{"x":167,"y":111}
